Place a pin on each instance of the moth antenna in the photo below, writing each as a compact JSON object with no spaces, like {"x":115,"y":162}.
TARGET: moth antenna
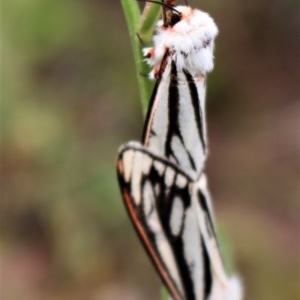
{"x":166,"y":5}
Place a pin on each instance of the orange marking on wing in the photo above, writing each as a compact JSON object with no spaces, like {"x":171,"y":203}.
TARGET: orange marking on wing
{"x":151,"y":51}
{"x":120,"y":166}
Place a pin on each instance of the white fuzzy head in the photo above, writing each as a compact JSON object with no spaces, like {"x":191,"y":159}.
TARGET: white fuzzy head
{"x":190,"y":42}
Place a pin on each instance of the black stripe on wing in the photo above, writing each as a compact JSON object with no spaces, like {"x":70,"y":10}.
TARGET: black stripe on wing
{"x":196,"y":106}
{"x":210,"y":225}
{"x":148,"y":120}
{"x":173,"y":117}
{"x":162,"y":197}
{"x":208,"y":281}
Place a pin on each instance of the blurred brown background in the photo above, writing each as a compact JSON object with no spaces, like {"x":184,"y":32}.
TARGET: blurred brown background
{"x":70,"y":98}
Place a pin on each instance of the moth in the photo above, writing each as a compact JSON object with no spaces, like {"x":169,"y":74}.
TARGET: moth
{"x":162,"y":179}
{"x":181,"y":57}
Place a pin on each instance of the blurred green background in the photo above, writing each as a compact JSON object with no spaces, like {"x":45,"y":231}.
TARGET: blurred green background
{"x":70,"y":98}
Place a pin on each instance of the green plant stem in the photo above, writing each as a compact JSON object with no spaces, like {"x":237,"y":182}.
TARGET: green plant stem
{"x":133,"y":16}
{"x":147,"y":23}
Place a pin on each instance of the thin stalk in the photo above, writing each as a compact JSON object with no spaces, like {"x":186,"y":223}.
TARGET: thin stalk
{"x":140,"y":31}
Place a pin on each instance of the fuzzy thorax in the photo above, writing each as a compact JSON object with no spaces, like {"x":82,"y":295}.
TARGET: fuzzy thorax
{"x":190,"y":42}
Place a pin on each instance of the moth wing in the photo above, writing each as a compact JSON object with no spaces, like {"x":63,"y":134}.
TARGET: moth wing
{"x":157,"y":197}
{"x":175,"y":126}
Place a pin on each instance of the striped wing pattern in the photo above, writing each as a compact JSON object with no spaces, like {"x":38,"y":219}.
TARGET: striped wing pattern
{"x":175,"y":125}
{"x":172,"y":217}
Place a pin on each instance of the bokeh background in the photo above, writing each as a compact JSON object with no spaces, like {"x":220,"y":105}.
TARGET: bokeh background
{"x":70,"y":98}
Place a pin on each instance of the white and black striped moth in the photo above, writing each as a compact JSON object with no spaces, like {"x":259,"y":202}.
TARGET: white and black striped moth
{"x":181,"y":56}
{"x":172,"y":216}
{"x":162,"y":181}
